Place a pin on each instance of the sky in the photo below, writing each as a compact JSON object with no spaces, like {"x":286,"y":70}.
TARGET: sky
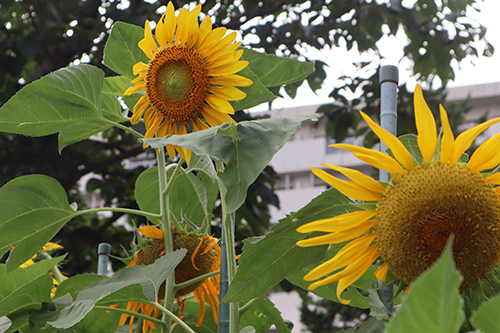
{"x":469,"y":72}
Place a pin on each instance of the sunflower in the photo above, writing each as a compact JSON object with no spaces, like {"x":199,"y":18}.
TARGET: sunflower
{"x":428,"y":199}
{"x":190,"y":77}
{"x":202,"y":257}
{"x":49,"y":247}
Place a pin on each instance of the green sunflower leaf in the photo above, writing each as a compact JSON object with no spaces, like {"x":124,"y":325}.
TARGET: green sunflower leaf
{"x":433,"y":304}
{"x":23,"y":290}
{"x":246,"y":149}
{"x":96,"y":320}
{"x":115,"y":85}
{"x":5,"y":323}
{"x":257,"y":93}
{"x":149,"y":277}
{"x":121,"y":51}
{"x":192,"y":188}
{"x":275,"y":71}
{"x":68,"y":101}
{"x":18,"y":320}
{"x":486,"y":317}
{"x":268,"y":260}
{"x":32,"y":210}
{"x":267,"y":310}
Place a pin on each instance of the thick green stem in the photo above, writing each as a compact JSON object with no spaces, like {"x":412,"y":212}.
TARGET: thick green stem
{"x":167,"y":234}
{"x":149,"y":216}
{"x":229,"y":319}
{"x":196,"y":279}
{"x":169,"y":315}
{"x":123,"y":127}
{"x":55,"y":270}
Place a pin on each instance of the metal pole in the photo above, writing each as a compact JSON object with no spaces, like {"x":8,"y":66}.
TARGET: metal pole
{"x":103,"y":260}
{"x":389,"y":79}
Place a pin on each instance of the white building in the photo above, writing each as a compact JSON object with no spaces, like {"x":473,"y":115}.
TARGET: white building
{"x":309,"y":147}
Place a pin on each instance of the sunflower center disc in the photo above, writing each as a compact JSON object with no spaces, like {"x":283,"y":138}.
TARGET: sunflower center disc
{"x":420,"y":212}
{"x":177,"y":83}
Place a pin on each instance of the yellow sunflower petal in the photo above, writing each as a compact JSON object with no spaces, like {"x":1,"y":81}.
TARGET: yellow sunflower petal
{"x":486,"y":156}
{"x":170,"y":23}
{"x":151,"y":232}
{"x":227,"y":68}
{"x":51,"y":246}
{"x":494,"y":178}
{"x":339,"y":222}
{"x":447,"y":141}
{"x":374,"y":158}
{"x":182,"y":31}
{"x":381,"y":272}
{"x":398,"y":149}
{"x":212,"y":37}
{"x":347,"y":254}
{"x":213,"y":54}
{"x":215,"y":118}
{"x":465,"y":139}
{"x":148,"y":44}
{"x":229,"y":93}
{"x":355,"y":273}
{"x":426,"y":125}
{"x":231,"y":80}
{"x":348,"y":188}
{"x":351,"y":273}
{"x":205,"y":29}
{"x":337,"y":237}
{"x":358,"y":177}
{"x":220,"y":104}
{"x":139,"y":67}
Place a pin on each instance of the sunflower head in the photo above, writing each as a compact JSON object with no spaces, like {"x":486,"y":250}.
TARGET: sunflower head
{"x":202,"y":257}
{"x":190,"y":78}
{"x":427,"y":200}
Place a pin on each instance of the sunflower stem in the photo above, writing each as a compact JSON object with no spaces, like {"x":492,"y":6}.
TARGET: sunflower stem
{"x":55,"y":270}
{"x":167,"y":234}
{"x":388,"y":121}
{"x":138,"y":327}
{"x":196,"y":279}
{"x":169,"y":315}
{"x":228,"y":312}
{"x":131,"y":313}
{"x":149,"y":216}
{"x":169,"y":184}
{"x":123,"y":127}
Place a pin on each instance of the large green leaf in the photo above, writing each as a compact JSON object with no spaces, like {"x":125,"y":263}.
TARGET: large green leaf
{"x":268,"y":260}
{"x":191,"y":197}
{"x":256,"y":94}
{"x":191,"y":312}
{"x":32,"y":210}
{"x":486,"y":317}
{"x":115,"y":85}
{"x":23,"y":290}
{"x":149,"y":277}
{"x":54,"y":102}
{"x":246,"y":149}
{"x":121,"y":52}
{"x":19,"y":320}
{"x":269,"y":311}
{"x":275,"y":71}
{"x":69,"y":101}
{"x":433,"y":304}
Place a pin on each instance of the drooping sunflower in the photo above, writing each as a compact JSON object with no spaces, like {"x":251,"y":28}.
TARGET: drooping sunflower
{"x":190,"y":77}
{"x":202,"y":257}
{"x":416,"y":212}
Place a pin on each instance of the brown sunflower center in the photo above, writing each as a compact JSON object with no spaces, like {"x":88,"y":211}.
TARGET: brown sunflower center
{"x":177,"y":83}
{"x":432,"y":202}
{"x":185,"y":271}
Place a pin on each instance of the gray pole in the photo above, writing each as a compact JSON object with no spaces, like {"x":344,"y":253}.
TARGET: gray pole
{"x":103,"y":260}
{"x":389,"y":79}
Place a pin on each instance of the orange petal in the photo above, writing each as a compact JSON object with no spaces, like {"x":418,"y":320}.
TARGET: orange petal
{"x":151,"y":232}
